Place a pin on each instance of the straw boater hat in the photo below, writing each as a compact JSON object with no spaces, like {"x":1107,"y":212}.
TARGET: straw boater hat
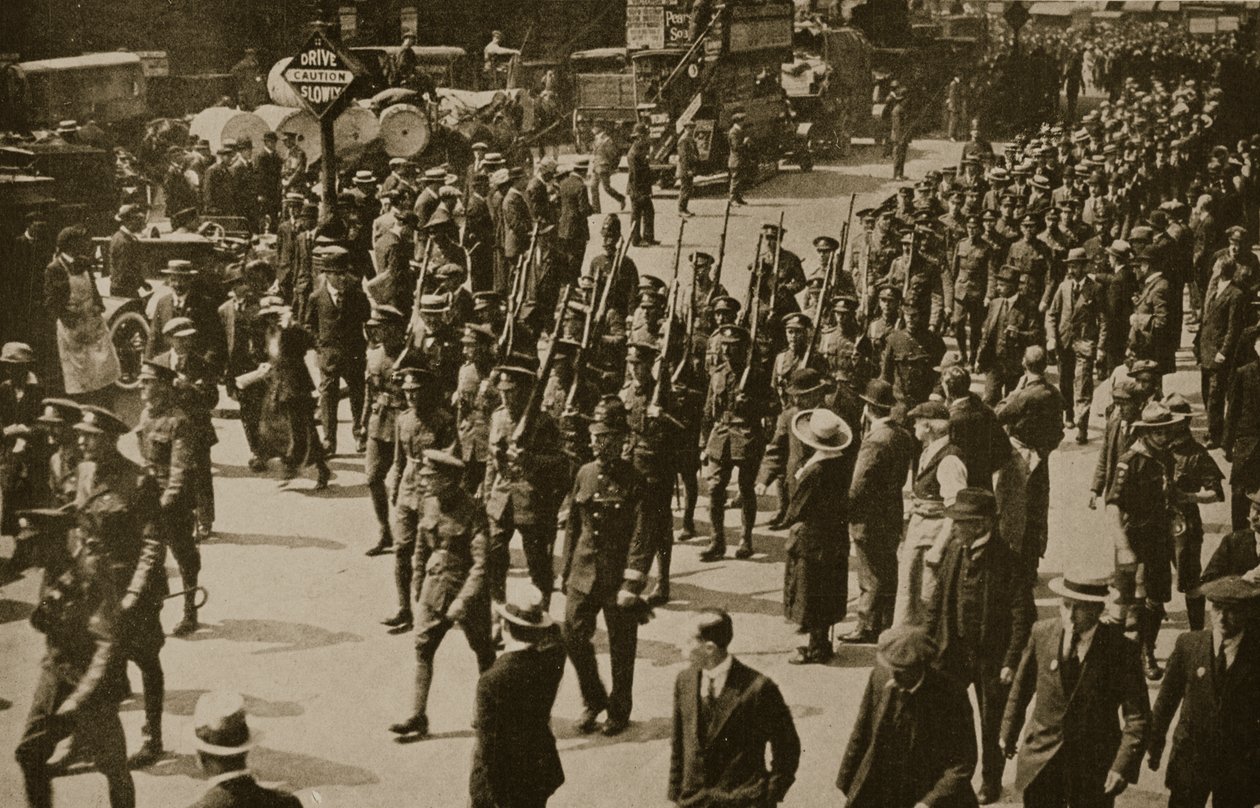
{"x":525,"y":609}
{"x":219,"y":725}
{"x":822,"y":430}
{"x":1087,"y":590}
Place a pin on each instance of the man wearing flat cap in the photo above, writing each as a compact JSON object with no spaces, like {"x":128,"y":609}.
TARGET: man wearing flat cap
{"x":913,"y":743}
{"x":1239,"y":551}
{"x":1082,"y":743}
{"x":222,"y":738}
{"x":726,"y":715}
{"x":1241,"y":439}
{"x":1154,"y":328}
{"x":1218,"y":342}
{"x":126,"y":275}
{"x":186,"y":299}
{"x":1214,"y":678}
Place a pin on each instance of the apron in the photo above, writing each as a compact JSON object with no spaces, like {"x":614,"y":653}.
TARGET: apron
{"x":88,"y":359}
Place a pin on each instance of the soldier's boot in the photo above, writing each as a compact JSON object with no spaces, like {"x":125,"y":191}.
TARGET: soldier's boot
{"x":154,"y":681}
{"x":745,"y":549}
{"x":691,"y":495}
{"x":1194,"y":612}
{"x":664,"y":556}
{"x":716,"y":550}
{"x":188,"y":624}
{"x":780,"y":516}
{"x":151,"y":750}
{"x":416,"y":725}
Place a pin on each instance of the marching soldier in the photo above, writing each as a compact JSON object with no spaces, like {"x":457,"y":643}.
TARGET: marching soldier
{"x":1028,"y":253}
{"x":450,"y":565}
{"x":196,"y":393}
{"x":725,"y":312}
{"x":909,"y":355}
{"x":58,"y":419}
{"x":651,"y":433}
{"x":524,"y":482}
{"x":733,"y":414}
{"x":425,"y":424}
{"x":920,"y":279}
{"x":606,"y":559}
{"x":883,"y":325}
{"x":475,"y":398}
{"x":121,"y":510}
{"x":971,"y":261}
{"x":384,"y":401}
{"x":791,"y":278}
{"x":625,"y":286}
{"x":798,"y":327}
{"x":166,"y":438}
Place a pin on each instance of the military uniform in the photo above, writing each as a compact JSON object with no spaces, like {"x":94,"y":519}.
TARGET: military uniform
{"x":647,"y":450}
{"x":1193,"y":470}
{"x":475,"y":400}
{"x":972,"y":260}
{"x":523,"y":494}
{"x":607,"y":551}
{"x":907,"y":364}
{"x":450,"y":564}
{"x":414,"y":432}
{"x":384,"y":402}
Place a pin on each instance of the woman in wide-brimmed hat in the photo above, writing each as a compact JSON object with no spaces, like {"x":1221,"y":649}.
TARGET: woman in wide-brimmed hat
{"x":815,"y":578}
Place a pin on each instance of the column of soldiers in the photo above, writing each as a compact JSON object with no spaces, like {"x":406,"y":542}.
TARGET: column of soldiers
{"x":497,"y":380}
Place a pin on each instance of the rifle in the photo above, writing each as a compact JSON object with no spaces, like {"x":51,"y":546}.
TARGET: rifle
{"x":717,"y":269}
{"x":755,"y":305}
{"x":753,"y":284}
{"x":820,"y":309}
{"x":516,"y":297}
{"x":660,"y":371}
{"x":524,"y":431}
{"x":595,"y":316}
{"x":409,"y":335}
{"x":905,"y":286}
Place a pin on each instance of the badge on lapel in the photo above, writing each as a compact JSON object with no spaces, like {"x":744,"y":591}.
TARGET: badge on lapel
{"x":1201,"y":672}
{"x":1054,"y":664}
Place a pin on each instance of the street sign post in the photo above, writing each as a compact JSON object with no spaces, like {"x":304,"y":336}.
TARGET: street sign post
{"x":1016,"y":16}
{"x":320,"y":73}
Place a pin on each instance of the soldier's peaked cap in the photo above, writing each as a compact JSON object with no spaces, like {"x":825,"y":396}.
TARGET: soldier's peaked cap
{"x":100,"y":421}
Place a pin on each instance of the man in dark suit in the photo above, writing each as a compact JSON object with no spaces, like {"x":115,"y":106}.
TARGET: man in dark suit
{"x":125,"y":273}
{"x":515,"y":762}
{"x":185,"y":300}
{"x":572,"y":229}
{"x":1216,"y":344}
{"x":1239,"y":552}
{"x":1072,"y":329}
{"x":875,"y":514}
{"x":267,"y":167}
{"x":1083,"y":743}
{"x":538,"y":192}
{"x":725,"y":716}
{"x":1153,"y":331}
{"x":1214,"y":677}
{"x":517,"y":222}
{"x":218,"y":195}
{"x":1242,"y":432}
{"x":335,"y":318}
{"x":913,"y":742}
{"x":245,"y":349}
{"x":639,"y":189}
{"x":685,"y":172}
{"x":222,"y":738}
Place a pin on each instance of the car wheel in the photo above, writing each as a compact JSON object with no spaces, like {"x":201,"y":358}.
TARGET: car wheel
{"x":130,"y":334}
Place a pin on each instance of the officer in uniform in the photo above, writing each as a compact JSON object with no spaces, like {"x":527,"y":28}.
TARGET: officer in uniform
{"x":83,"y":675}
{"x":450,"y":564}
{"x":57,"y":420}
{"x":167,"y":439}
{"x":425,"y":424}
{"x":384,"y":397}
{"x":524,"y":483}
{"x":971,"y":261}
{"x":707,"y":288}
{"x":922,"y":278}
{"x":799,"y":328}
{"x":607,"y":554}
{"x":651,"y":433}
{"x":1142,"y":503}
{"x":475,"y":398}
{"x":1029,"y":254}
{"x":733,"y":415}
{"x":725,"y":312}
{"x":909,"y":355}
{"x":886,"y":323}
{"x":791,"y":278}
{"x":121,"y":509}
{"x":196,"y":393}
{"x":624,"y":292}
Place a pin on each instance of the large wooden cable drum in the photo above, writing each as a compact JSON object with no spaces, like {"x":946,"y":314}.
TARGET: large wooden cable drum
{"x":404,"y":130}
{"x":298,"y":121}
{"x":279,"y":90}
{"x":216,"y":124}
{"x":354,"y":129}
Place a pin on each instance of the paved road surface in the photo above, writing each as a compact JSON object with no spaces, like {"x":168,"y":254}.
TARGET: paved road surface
{"x":294,"y":605}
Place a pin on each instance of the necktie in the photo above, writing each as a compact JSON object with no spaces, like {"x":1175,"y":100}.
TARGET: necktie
{"x":1222,"y":662}
{"x":1071,"y":663}
{"x":706,"y":704}
{"x":710,"y":694}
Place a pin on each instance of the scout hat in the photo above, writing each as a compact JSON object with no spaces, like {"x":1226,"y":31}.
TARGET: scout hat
{"x":822,"y":430}
{"x":972,"y":504}
{"x":219,"y":725}
{"x":100,"y":421}
{"x":906,"y":647}
{"x":1230,"y":589}
{"x":1157,"y":415}
{"x":524,"y":609}
{"x":476,"y":334}
{"x":805,"y":380}
{"x":59,"y":411}
{"x":701,"y":259}
{"x":826,"y":243}
{"x":1087,"y":590}
{"x":415,"y":378}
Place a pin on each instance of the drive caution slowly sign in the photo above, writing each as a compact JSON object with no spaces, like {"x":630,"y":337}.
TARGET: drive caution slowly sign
{"x":319,"y":74}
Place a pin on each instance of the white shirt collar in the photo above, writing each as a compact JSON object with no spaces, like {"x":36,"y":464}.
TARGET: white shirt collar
{"x":1082,"y":642}
{"x":1231,"y":646}
{"x":226,"y":776}
{"x":717,"y":674}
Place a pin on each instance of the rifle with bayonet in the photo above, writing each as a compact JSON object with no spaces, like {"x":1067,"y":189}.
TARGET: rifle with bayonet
{"x":717,"y":267}
{"x":661,"y":371}
{"x":754,"y":284}
{"x":524,"y":431}
{"x":774,"y":277}
{"x":596,"y":314}
{"x":516,"y":296}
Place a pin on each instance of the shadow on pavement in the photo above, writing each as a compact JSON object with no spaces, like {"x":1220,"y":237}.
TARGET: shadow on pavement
{"x":285,"y":635}
{"x":13,"y":610}
{"x":653,"y":729}
{"x":265,"y":540}
{"x":182,"y":702}
{"x":290,"y":770}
